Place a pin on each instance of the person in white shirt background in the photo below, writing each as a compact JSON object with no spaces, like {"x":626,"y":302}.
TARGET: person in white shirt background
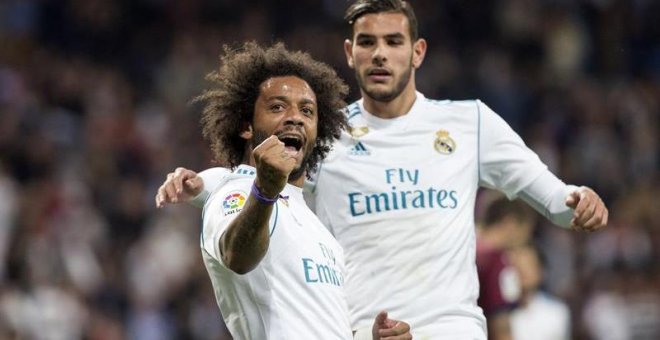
{"x":539,"y":315}
{"x":399,"y":187}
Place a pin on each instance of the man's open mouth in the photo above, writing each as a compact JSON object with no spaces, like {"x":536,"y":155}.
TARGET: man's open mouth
{"x":292,"y":142}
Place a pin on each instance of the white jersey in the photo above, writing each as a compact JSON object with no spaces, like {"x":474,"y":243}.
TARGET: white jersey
{"x":543,"y":318}
{"x":399,"y":196}
{"x":296,"y":291}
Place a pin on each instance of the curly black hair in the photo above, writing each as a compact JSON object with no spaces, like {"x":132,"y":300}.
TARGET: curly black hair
{"x":230,"y":104}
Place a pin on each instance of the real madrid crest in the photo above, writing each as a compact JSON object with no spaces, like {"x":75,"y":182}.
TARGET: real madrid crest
{"x":443,"y":143}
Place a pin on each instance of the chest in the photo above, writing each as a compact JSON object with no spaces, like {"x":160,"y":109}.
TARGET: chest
{"x":302,"y":248}
{"x":431,"y":154}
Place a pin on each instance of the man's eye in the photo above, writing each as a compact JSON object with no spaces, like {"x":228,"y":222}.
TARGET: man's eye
{"x":365,"y":42}
{"x":276,"y":107}
{"x":308,"y":111}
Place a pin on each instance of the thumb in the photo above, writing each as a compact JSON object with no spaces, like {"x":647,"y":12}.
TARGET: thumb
{"x":380,"y":318}
{"x":194,"y":185}
{"x":573,"y":199}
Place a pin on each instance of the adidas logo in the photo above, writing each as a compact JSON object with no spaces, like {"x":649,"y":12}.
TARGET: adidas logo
{"x":359,"y":150}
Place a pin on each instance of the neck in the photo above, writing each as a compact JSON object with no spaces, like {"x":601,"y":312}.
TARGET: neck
{"x":299,"y":182}
{"x":397,"y":107}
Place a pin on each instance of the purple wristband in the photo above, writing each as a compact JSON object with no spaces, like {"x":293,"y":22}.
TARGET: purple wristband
{"x":261,"y":198}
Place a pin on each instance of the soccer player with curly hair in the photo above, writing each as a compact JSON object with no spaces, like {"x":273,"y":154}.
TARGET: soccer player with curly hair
{"x":277,"y":272}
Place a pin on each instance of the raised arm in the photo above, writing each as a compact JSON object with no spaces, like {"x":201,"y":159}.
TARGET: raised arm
{"x":245,"y":241}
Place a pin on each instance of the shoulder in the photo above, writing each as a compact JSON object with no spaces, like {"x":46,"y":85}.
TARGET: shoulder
{"x":448,"y":103}
{"x":232,"y":187}
{"x":353,"y":109}
{"x":461,"y":109}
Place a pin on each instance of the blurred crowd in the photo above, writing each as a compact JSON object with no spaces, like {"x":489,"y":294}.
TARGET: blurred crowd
{"x":95,"y":110}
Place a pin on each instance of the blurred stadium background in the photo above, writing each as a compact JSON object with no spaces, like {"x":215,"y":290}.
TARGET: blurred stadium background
{"x":94,"y":112}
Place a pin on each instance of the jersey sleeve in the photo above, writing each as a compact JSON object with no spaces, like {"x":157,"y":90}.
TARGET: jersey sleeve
{"x":505,"y":162}
{"x":547,"y":195}
{"x":212,"y":178}
{"x":222,"y":207}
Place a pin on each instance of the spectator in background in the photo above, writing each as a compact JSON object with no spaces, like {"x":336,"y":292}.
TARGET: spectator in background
{"x":539,"y":315}
{"x":506,"y":225}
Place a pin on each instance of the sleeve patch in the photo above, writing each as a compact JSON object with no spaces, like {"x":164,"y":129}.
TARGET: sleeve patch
{"x":233,"y":203}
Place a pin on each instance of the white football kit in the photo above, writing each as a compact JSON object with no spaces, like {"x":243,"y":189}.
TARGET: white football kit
{"x":296,"y":291}
{"x":399,"y":196}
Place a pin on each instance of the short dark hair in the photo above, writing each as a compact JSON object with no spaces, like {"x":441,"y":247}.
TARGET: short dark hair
{"x":362,"y":7}
{"x":230,"y":104}
{"x":502,"y":207}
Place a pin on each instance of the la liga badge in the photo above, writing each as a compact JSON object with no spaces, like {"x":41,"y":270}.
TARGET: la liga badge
{"x":233,"y":202}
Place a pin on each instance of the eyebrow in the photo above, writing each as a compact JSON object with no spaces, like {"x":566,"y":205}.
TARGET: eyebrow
{"x":388,"y":36}
{"x":286,"y":99}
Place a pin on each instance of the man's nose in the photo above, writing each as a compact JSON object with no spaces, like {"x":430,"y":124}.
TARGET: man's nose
{"x":294,"y":117}
{"x":378,"y":57}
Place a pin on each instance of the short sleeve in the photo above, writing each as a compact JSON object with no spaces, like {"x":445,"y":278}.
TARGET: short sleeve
{"x":222,"y":207}
{"x":212,"y":178}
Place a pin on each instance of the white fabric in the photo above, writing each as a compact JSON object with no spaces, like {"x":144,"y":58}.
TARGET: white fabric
{"x":363,"y":333}
{"x":543,"y":318}
{"x":547,"y":194}
{"x":296,"y":291}
{"x":404,"y":211}
{"x":212,"y":178}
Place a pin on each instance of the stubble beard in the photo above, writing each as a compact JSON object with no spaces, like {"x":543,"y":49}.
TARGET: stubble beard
{"x":385,"y":95}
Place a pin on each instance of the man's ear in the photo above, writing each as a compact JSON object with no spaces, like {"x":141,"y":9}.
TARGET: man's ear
{"x":419,"y":52}
{"x":348,"y":51}
{"x":246,"y":131}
